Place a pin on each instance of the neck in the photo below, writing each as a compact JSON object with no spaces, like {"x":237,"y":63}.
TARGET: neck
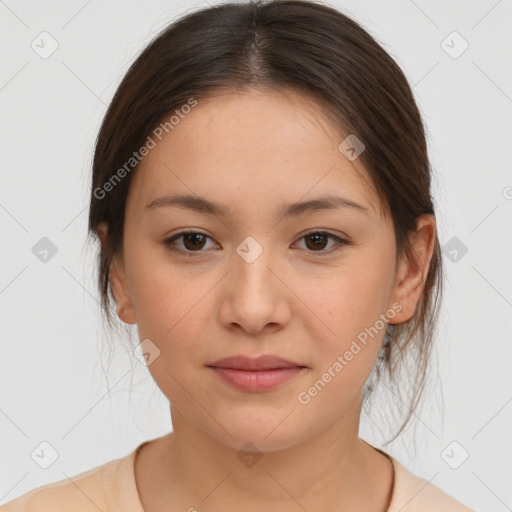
{"x":332,"y":471}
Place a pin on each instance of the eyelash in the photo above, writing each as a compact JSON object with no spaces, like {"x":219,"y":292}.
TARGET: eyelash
{"x":339,"y":241}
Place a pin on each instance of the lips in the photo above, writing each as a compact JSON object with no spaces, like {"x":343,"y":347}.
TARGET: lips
{"x":261,"y":363}
{"x":258,"y":374}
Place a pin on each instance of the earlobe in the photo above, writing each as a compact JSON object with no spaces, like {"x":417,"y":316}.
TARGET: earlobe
{"x":413,"y":270}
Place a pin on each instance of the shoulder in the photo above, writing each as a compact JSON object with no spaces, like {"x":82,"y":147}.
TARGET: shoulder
{"x":79,"y":493}
{"x":89,"y":491}
{"x":414,"y":494}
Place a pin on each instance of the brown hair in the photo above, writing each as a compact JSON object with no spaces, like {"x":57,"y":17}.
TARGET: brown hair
{"x":320,"y":52}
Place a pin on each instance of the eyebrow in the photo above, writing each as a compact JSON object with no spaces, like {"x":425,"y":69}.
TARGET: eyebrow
{"x":203,"y":205}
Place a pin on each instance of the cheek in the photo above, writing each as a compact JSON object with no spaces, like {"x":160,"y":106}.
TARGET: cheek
{"x":172,"y":311}
{"x":171,"y":303}
{"x":354,"y":297}
{"x":351,"y":306}
{"x":345,"y":357}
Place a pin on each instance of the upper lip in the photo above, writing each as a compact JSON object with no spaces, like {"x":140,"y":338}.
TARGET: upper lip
{"x":265,"y":362}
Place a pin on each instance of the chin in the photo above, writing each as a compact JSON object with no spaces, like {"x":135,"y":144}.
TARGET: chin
{"x":251,"y":434}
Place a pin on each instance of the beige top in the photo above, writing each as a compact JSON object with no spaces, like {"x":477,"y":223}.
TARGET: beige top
{"x":112,"y":488}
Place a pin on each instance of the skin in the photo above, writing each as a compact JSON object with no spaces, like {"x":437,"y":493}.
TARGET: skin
{"x":253,"y":151}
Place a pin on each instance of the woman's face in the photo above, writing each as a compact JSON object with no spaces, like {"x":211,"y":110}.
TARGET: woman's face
{"x":250,"y":282}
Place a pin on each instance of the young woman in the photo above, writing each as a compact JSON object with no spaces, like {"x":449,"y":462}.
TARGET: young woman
{"x":261,"y":192}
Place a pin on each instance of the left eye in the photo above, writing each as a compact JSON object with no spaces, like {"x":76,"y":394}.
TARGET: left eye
{"x":194,"y":241}
{"x":318,"y":240}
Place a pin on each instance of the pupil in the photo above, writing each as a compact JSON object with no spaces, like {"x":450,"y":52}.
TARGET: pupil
{"x":316,"y":238}
{"x":194,"y":237}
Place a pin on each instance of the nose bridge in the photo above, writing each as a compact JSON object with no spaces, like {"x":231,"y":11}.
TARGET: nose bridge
{"x":253,"y":299}
{"x":251,"y":262}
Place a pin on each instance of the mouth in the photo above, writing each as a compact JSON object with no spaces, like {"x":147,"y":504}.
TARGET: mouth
{"x":256,"y":374}
{"x":265,"y":362}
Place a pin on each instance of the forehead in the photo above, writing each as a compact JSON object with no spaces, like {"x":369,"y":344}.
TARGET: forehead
{"x":252,"y":146}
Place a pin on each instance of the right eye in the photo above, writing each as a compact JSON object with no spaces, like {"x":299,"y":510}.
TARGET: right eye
{"x":191,"y":241}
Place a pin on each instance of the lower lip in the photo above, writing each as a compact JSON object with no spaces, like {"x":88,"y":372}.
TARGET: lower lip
{"x":257,"y":380}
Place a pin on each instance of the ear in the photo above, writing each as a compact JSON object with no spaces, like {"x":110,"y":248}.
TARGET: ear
{"x":101,"y":231}
{"x":118,"y":281}
{"x":412,"y":271}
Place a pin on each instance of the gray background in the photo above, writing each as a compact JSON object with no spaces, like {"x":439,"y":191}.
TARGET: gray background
{"x":55,"y":387}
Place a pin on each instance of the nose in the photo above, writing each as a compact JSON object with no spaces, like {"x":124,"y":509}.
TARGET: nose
{"x":255,"y":297}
